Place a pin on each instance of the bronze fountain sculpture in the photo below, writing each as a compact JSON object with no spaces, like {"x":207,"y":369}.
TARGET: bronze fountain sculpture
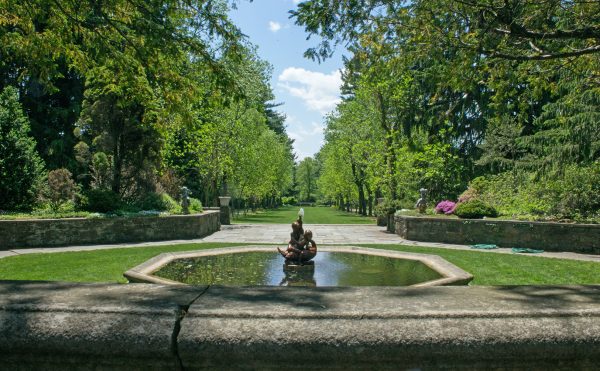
{"x":301,"y":247}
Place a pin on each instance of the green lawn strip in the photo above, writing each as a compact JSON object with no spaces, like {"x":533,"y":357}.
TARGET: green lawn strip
{"x":88,"y":266}
{"x":109,"y":265}
{"x":490,"y":268}
{"x":312,"y":215}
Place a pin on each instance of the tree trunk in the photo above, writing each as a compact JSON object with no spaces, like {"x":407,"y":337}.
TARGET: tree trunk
{"x":118,"y":149}
{"x":389,"y":144}
{"x":370,"y":198}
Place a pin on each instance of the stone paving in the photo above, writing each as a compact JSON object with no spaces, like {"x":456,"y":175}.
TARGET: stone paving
{"x":278,"y":234}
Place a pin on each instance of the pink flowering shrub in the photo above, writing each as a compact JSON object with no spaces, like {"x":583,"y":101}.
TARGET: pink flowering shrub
{"x":446,"y":207}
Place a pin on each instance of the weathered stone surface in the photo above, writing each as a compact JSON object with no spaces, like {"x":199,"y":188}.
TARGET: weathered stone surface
{"x":84,"y":326}
{"x":401,"y":328}
{"x":79,"y":231}
{"x":580,"y":238}
{"x":225,"y":215}
{"x":108,"y":326}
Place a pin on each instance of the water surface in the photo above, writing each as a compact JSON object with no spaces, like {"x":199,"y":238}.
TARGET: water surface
{"x":268,"y":269}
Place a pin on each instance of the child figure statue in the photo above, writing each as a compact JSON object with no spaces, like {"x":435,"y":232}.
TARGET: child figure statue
{"x":301,"y":247}
{"x":421,"y":204}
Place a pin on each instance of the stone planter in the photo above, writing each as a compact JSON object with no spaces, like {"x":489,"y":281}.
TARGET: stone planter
{"x":580,"y":238}
{"x":84,"y":231}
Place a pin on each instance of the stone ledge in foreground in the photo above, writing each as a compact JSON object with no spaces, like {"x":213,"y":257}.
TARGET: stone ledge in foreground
{"x":111,"y":326}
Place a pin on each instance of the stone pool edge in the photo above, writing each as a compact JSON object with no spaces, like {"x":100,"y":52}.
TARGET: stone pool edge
{"x":451,"y":274}
{"x":64,"y":326}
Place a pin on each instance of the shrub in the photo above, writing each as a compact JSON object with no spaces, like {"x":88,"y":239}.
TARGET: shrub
{"x":388,"y":207}
{"x":195,"y":205}
{"x":59,"y":188}
{"x":578,"y":191}
{"x":151,"y":201}
{"x":289,"y":201}
{"x":446,"y":207}
{"x":474,"y":209}
{"x":170,"y":183}
{"x":101,"y":201}
{"x":160,"y":202}
{"x":171,"y":204}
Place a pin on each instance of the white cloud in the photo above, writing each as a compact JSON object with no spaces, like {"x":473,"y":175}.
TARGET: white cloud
{"x":274,"y":26}
{"x":296,"y":1}
{"x":320,"y":92}
{"x":308,"y":138}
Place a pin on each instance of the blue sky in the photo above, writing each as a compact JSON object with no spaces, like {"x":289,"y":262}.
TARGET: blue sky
{"x":307,"y":88}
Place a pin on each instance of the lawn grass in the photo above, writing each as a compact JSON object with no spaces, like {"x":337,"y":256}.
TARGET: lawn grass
{"x":490,"y":268}
{"x":312,"y":215}
{"x":487,"y":267}
{"x":87,"y":266}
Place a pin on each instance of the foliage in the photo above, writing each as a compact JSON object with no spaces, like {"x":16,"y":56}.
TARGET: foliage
{"x":101,"y":200}
{"x":195,"y":205}
{"x":122,"y":93}
{"x":388,"y":207}
{"x":445,"y":207}
{"x":573,"y":194}
{"x":240,"y":148}
{"x":21,"y":169}
{"x":159,"y":202}
{"x":291,"y":201}
{"x":474,"y":209}
{"x":449,"y":91}
{"x":307,"y":175}
{"x":59,"y":188}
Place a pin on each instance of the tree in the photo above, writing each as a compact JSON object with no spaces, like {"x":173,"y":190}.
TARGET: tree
{"x":307,"y":175}
{"x":59,"y":189}
{"x":139,"y":64}
{"x":516,"y":30}
{"x":20,"y":166}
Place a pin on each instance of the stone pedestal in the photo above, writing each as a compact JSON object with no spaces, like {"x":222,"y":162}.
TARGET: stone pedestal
{"x":225,"y":210}
{"x":391,"y":227}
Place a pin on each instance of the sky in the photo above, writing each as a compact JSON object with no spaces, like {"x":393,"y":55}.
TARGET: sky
{"x":307,"y":89}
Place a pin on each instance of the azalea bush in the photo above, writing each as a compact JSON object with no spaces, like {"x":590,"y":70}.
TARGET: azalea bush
{"x":446,"y":207}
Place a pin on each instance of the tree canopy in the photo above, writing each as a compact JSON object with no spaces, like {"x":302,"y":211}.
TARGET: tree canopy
{"x":451,"y":90}
{"x":136,"y":97}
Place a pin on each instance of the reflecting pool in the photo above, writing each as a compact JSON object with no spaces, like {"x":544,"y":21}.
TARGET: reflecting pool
{"x":269,"y":269}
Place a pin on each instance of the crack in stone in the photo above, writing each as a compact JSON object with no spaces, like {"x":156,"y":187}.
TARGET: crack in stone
{"x":180,"y":314}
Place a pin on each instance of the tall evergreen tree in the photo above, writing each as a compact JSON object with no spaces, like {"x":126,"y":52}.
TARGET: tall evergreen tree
{"x":20,"y":165}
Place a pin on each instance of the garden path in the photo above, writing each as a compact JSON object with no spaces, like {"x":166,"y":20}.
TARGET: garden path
{"x":278,"y":234}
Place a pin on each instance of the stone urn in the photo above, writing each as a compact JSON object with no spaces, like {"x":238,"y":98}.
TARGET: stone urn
{"x":224,"y":200}
{"x":224,"y":210}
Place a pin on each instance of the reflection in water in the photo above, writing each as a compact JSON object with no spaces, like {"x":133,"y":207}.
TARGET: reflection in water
{"x":299,"y":275}
{"x":329,"y":269}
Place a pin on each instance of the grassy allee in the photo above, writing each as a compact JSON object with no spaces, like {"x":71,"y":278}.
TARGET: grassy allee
{"x":487,"y":267}
{"x":312,"y":215}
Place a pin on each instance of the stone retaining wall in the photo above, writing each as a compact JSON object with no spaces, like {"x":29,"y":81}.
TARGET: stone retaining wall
{"x":82,"y":231}
{"x":61,"y":326}
{"x":581,"y":238}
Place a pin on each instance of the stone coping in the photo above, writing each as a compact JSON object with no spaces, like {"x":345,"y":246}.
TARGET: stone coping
{"x":451,"y":274}
{"x":68,"y":326}
{"x":506,"y":221}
